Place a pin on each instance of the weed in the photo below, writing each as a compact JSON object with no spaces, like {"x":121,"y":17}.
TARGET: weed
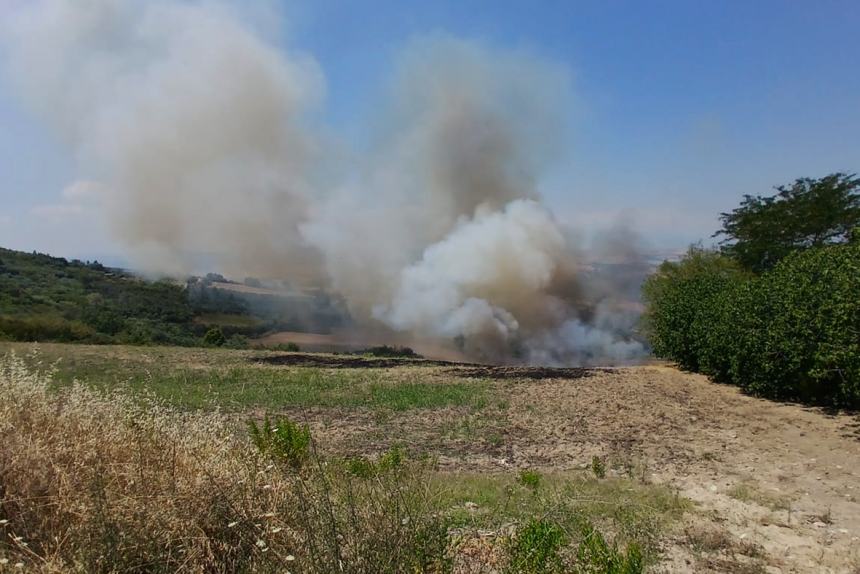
{"x":285,"y":442}
{"x":598,"y":467}
{"x":596,"y":556}
{"x":537,"y":548}
{"x":530,"y":478}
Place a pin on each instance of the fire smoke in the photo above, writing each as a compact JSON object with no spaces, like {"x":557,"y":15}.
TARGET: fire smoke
{"x":206,"y":136}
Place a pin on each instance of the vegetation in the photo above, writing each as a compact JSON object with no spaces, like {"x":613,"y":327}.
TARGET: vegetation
{"x":218,"y":378}
{"x":105,"y":481}
{"x":388,"y":351}
{"x":285,"y":442}
{"x":806,"y":214}
{"x":44,"y":298}
{"x":776,"y":310}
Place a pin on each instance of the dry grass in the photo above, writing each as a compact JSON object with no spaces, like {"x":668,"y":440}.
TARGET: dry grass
{"x":95,"y":480}
{"x":102,"y":483}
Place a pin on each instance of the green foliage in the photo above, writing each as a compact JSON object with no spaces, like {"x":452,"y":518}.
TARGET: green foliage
{"x":44,"y":298}
{"x":393,"y":460}
{"x":596,"y":556}
{"x":681,"y":300}
{"x":537,"y":548}
{"x":808,"y":213}
{"x":530,"y":479}
{"x":285,"y":442}
{"x":388,"y":351}
{"x":214,"y":337}
{"x":791,"y":333}
{"x":598,"y":467}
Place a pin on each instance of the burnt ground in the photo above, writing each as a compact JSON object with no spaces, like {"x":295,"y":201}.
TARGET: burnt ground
{"x":346,"y":361}
{"x":463,"y":370}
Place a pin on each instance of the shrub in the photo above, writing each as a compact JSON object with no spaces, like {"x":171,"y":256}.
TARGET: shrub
{"x":285,"y":442}
{"x":807,"y":313}
{"x":537,"y":548}
{"x":214,"y":337}
{"x":682,"y":299}
{"x":393,"y":460}
{"x":598,"y":467}
{"x":790,"y":333}
{"x":530,"y":479}
{"x":391,"y":352}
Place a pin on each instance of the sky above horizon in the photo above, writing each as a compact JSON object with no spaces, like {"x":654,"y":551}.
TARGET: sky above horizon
{"x":677,"y":108}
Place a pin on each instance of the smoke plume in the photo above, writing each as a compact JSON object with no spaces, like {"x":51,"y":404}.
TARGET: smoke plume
{"x":205,"y":133}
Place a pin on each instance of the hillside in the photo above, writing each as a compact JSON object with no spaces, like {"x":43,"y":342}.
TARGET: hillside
{"x":51,"y":298}
{"x":45,"y":298}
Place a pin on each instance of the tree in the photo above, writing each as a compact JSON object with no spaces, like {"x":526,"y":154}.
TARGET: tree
{"x":808,"y":213}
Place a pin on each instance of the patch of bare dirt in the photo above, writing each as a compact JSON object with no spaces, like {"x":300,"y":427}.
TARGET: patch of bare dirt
{"x":776,"y":486}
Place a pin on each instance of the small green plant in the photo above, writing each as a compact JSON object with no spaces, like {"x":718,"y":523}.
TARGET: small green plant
{"x":530,"y":479}
{"x":214,"y":337}
{"x":536,"y":549}
{"x":285,"y":442}
{"x":393,"y":459}
{"x":598,"y":467}
{"x":362,"y":467}
{"x":596,"y":556}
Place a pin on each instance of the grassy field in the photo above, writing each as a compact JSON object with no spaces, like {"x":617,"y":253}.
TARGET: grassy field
{"x":481,"y":511}
{"x":470,"y":469}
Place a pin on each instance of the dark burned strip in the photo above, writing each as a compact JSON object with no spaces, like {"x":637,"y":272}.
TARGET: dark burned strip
{"x":464,"y":370}
{"x":500,"y":372}
{"x":348,"y":361}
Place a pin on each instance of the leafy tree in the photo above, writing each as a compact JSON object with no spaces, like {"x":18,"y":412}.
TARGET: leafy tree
{"x":807,"y":213}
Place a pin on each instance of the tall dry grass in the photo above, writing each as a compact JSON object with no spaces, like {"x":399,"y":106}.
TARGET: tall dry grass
{"x":107,"y":482}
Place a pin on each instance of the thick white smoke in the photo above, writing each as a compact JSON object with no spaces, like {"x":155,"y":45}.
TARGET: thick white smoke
{"x":195,"y":124}
{"x":203,"y":132}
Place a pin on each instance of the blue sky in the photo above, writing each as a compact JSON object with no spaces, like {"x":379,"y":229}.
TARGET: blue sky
{"x":678,"y":108}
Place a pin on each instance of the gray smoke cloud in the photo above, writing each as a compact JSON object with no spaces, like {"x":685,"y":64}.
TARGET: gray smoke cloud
{"x":204,"y":134}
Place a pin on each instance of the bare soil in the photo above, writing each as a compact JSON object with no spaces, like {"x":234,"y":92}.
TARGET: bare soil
{"x":776,"y":486}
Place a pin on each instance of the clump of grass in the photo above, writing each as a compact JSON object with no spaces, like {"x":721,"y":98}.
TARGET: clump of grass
{"x":537,"y":548}
{"x":362,"y":467}
{"x":596,"y":556}
{"x":746,"y":492}
{"x":530,"y":478}
{"x":285,"y":442}
{"x":598,"y":467}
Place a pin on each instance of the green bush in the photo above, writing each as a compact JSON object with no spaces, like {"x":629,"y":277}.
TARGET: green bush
{"x":285,"y":442}
{"x":790,"y":333}
{"x":682,"y":298}
{"x":537,"y":548}
{"x":214,"y":337}
{"x":530,"y":479}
